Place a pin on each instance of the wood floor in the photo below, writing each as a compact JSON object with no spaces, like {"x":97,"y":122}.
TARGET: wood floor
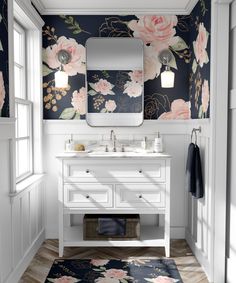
{"x":189,"y":268}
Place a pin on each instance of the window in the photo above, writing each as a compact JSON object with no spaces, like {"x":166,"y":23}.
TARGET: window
{"x":23,"y":107}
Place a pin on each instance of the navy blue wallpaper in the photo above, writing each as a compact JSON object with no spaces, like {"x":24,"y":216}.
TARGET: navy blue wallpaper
{"x":199,"y":78}
{"x":4,"y":75}
{"x":176,"y":33}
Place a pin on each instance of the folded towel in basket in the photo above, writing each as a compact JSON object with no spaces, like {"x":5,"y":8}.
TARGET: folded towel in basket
{"x":111,"y":226}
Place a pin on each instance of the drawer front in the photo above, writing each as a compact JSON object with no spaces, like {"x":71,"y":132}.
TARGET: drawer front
{"x":140,"y":195}
{"x":119,"y":171}
{"x":88,"y":195}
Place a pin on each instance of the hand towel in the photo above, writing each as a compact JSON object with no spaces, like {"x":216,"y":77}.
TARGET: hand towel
{"x":194,"y":180}
{"x":111,"y":226}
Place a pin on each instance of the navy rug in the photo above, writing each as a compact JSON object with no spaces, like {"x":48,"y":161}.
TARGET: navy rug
{"x":114,"y":271}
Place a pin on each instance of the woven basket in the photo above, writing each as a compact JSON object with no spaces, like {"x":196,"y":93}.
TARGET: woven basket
{"x":90,"y":227}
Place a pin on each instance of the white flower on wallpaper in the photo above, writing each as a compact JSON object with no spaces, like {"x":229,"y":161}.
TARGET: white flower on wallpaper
{"x":133,"y":89}
{"x":200,"y":45}
{"x":77,"y":51}
{"x":2,"y":91}
{"x":110,"y":105}
{"x":180,"y":109}
{"x":205,"y":99}
{"x":102,"y":86}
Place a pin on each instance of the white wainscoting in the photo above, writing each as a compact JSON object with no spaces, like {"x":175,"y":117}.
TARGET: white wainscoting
{"x":21,"y":214}
{"x":199,"y":231}
{"x":176,"y":138}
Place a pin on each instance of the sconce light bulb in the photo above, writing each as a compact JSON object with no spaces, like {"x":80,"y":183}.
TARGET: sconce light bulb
{"x":167,"y":78}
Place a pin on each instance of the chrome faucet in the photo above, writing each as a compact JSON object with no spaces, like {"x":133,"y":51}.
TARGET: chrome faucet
{"x":113,"y":138}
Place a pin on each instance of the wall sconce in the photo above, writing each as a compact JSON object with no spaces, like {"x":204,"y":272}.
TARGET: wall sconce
{"x":167,"y":77}
{"x":61,"y":77}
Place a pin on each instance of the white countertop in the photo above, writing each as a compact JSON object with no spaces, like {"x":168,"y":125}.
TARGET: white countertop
{"x":105,"y":155}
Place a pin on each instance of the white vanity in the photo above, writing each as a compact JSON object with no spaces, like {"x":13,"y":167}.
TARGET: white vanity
{"x":114,"y":183}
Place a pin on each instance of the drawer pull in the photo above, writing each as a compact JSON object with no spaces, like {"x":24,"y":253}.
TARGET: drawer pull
{"x":87,"y":171}
{"x":140,"y":171}
{"x":140,"y":196}
{"x":87,"y":196}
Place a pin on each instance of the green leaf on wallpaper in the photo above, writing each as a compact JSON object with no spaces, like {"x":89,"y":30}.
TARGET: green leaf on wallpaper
{"x":76,"y":31}
{"x":0,"y":18}
{"x":200,"y":112}
{"x":77,"y":116}
{"x":194,"y":66}
{"x":46,"y":70}
{"x":1,"y":48}
{"x":172,"y":62}
{"x":92,"y":92}
{"x":67,"y":114}
{"x":104,"y":110}
{"x":92,"y":85}
{"x":179,"y":44}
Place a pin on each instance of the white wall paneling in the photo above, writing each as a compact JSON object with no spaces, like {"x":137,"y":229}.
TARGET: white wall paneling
{"x":231,"y":205}
{"x":199,"y":231}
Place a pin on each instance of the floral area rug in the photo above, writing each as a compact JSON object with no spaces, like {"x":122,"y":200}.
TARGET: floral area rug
{"x":114,"y":271}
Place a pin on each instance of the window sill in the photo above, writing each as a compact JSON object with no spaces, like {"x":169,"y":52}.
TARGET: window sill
{"x":26,"y":183}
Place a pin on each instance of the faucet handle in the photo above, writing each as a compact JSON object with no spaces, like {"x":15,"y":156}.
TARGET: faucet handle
{"x":122,"y":148}
{"x":106,"y":148}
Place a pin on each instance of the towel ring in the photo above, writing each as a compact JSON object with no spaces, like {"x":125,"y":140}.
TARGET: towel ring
{"x":194,"y":130}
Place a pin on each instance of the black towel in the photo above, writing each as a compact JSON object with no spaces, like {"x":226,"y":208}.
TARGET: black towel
{"x":111,"y":226}
{"x":194,"y":172}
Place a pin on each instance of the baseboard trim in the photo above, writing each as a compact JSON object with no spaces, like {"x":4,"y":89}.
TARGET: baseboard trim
{"x":25,"y":261}
{"x":202,"y":259}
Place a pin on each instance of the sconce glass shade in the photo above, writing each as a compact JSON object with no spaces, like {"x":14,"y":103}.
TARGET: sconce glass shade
{"x":61,"y":79}
{"x":167,"y":78}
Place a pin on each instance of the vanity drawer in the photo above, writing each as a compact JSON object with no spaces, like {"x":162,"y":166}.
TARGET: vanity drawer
{"x":88,"y":195}
{"x":140,"y":195}
{"x":117,"y":171}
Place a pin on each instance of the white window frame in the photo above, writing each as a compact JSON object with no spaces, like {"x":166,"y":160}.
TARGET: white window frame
{"x":23,"y":99}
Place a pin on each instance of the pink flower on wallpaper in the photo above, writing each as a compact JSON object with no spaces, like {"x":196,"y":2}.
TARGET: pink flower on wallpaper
{"x":152,"y":65}
{"x":99,"y":262}
{"x":200,"y":45}
{"x":205,"y":96}
{"x":103,"y":86}
{"x":136,"y":76}
{"x":115,"y":273}
{"x":64,"y":279}
{"x":133,"y":89}
{"x":154,"y":28}
{"x":110,"y":105}
{"x":162,"y":279}
{"x":77,"y":51}
{"x":180,"y":109}
{"x":2,"y":91}
{"x":79,"y":100}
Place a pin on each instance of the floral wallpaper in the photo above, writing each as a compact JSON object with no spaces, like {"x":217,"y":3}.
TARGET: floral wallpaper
{"x":199,"y":78}
{"x":182,"y":35}
{"x":4,"y":85}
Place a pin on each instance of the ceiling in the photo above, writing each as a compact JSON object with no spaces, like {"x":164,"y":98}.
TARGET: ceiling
{"x":115,"y":7}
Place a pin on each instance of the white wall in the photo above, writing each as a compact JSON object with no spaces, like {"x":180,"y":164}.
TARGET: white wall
{"x":231,"y":215}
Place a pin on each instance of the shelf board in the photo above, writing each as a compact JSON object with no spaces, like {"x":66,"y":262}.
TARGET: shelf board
{"x":151,"y":236}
